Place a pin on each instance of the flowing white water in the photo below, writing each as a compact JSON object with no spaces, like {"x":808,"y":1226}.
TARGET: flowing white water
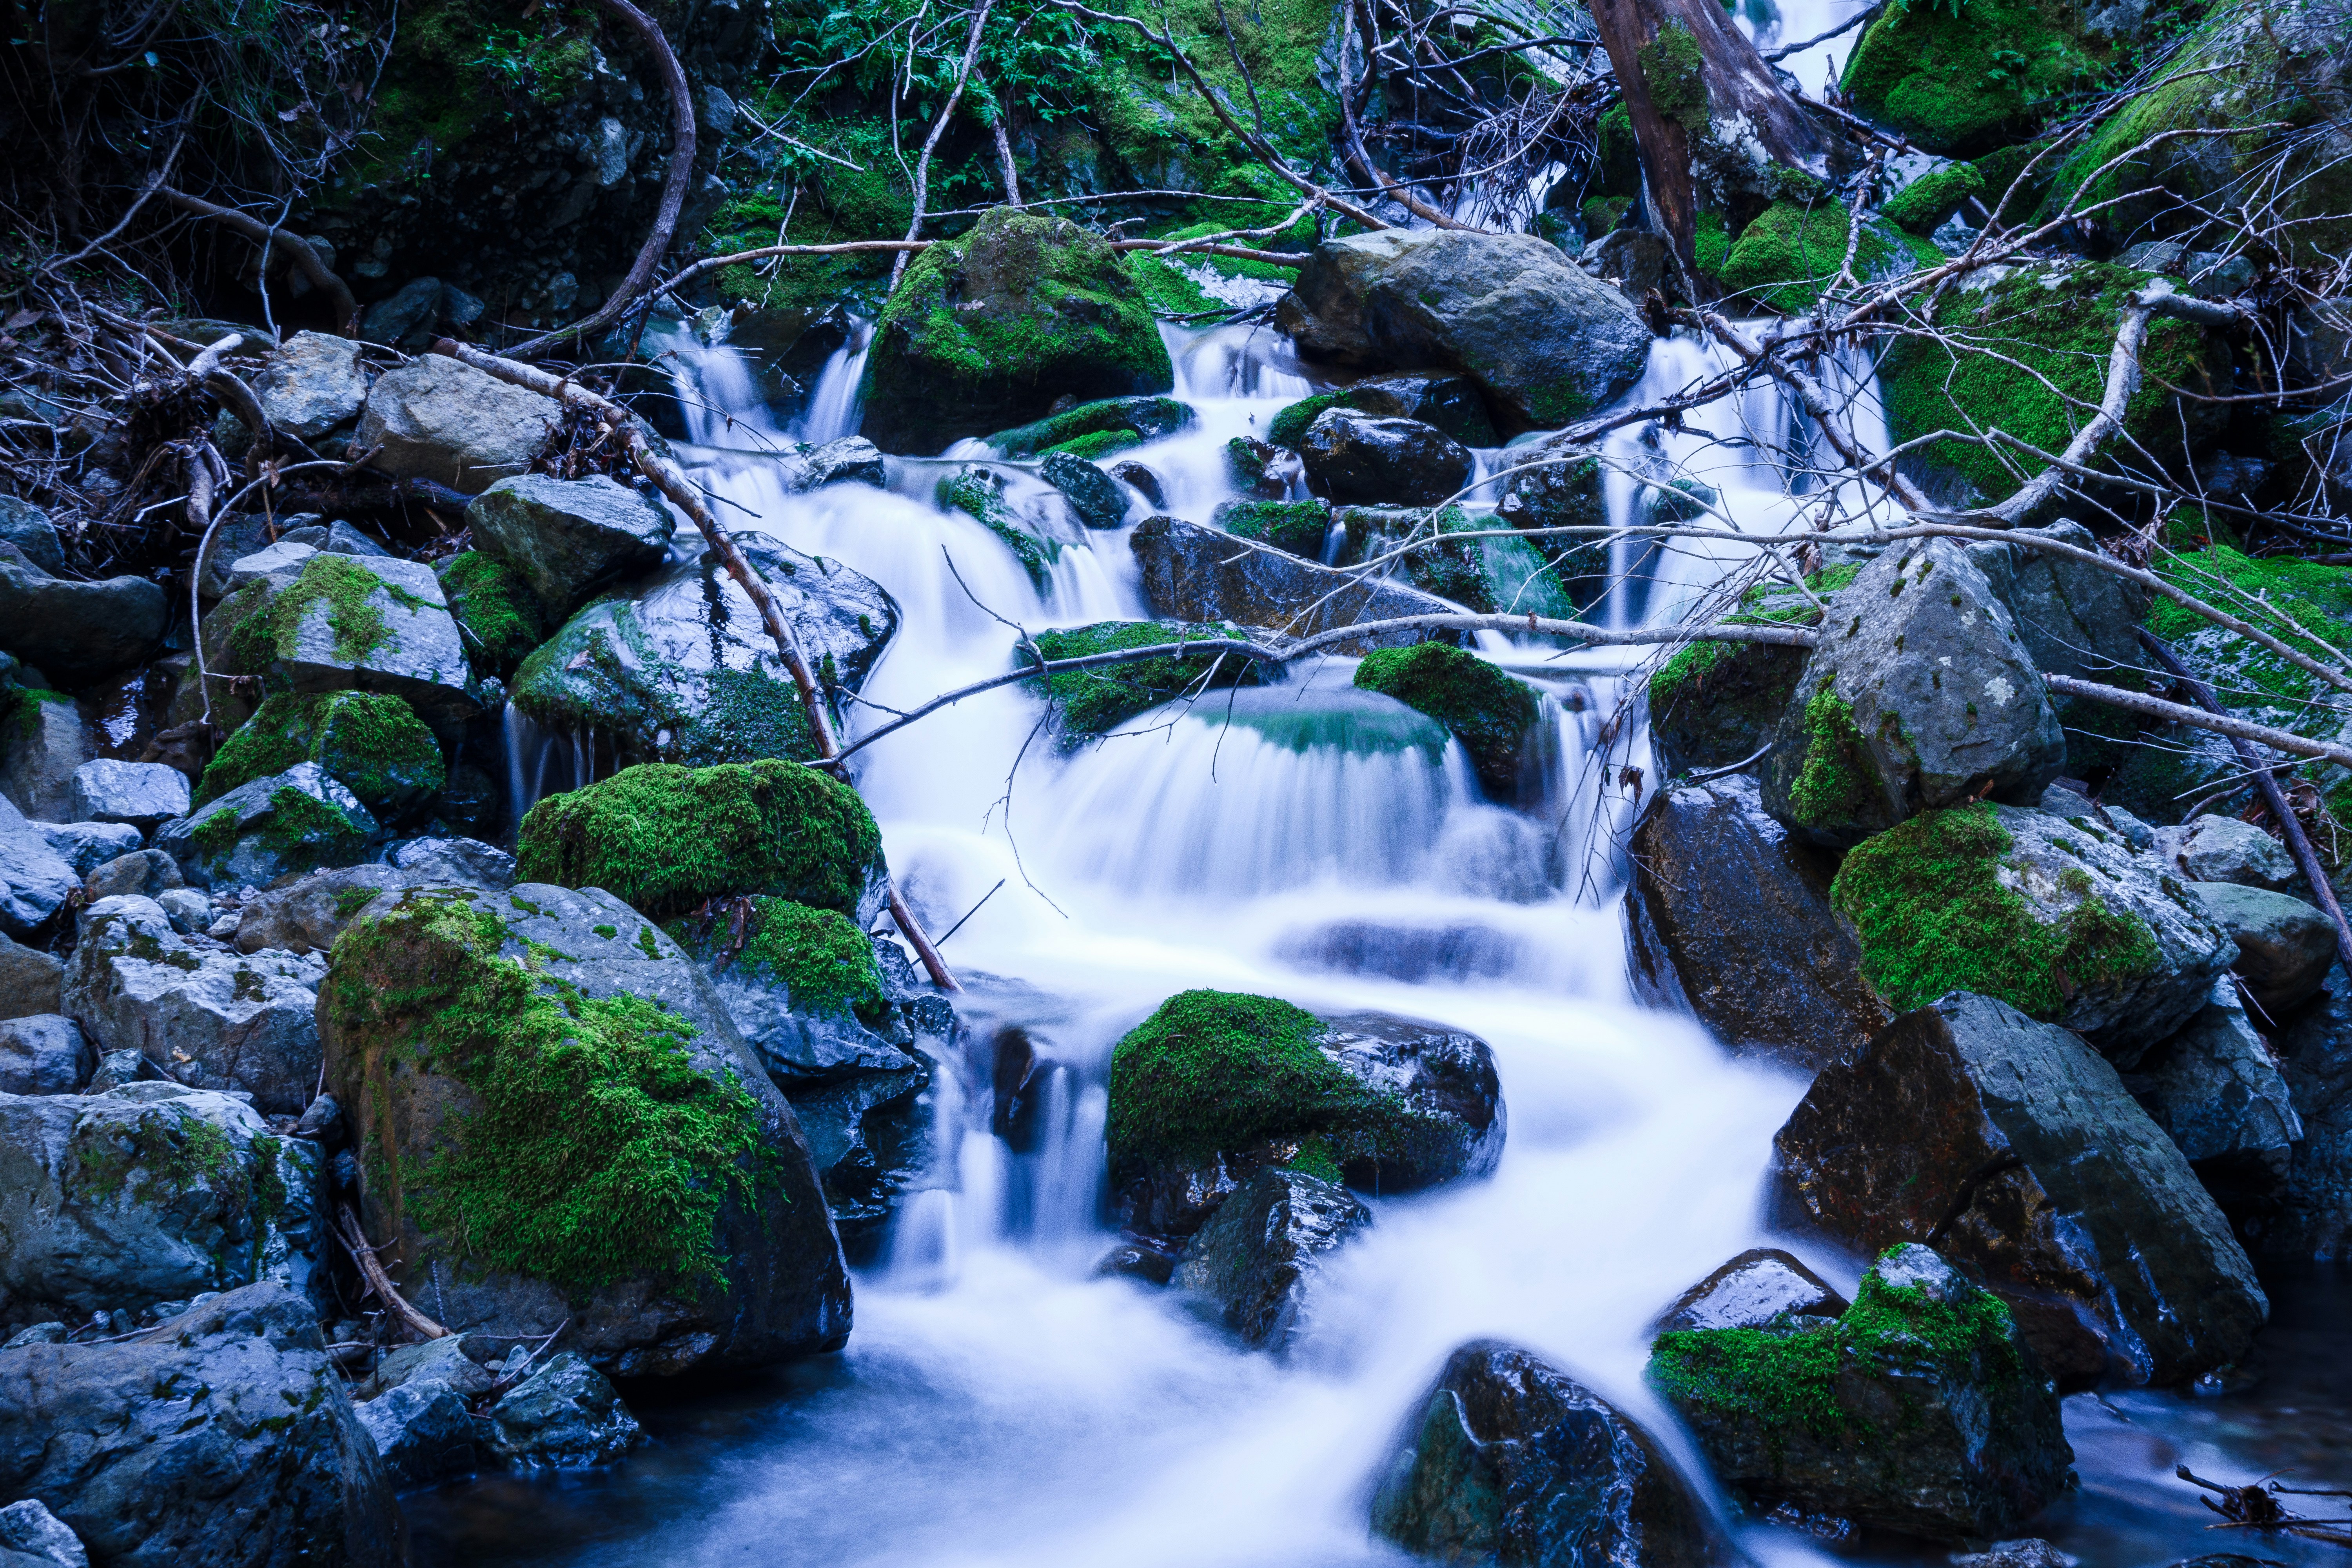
{"x":998,"y":1406}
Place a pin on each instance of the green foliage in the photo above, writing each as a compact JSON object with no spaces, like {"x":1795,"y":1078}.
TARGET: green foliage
{"x":373,"y":744}
{"x":1790,"y":252}
{"x":1960,"y":81}
{"x":1711,"y":242}
{"x":1094,"y":702}
{"x":499,"y":616}
{"x":666,"y":838}
{"x":1489,"y":712}
{"x":1926,"y":202}
{"x":1296,"y":526}
{"x":1676,"y":73}
{"x":1289,"y":426}
{"x":1836,"y":783}
{"x":1933,"y":915}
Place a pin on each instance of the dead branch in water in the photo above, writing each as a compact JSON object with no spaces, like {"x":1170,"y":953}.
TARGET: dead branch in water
{"x":355,"y":1242}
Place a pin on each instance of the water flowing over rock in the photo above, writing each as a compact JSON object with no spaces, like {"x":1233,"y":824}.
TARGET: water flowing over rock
{"x":567,"y":537}
{"x":1196,"y":573}
{"x":2018,"y":1153}
{"x":433,"y":419}
{"x":1257,"y":1257}
{"x":1508,"y":1460}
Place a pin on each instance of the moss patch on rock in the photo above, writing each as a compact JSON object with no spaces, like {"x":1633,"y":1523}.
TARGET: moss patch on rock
{"x":819,"y":956}
{"x":1925,"y":204}
{"x":498,"y":615}
{"x":371,"y":742}
{"x":1128,"y":420}
{"x":976,"y":493}
{"x":1959,"y":80}
{"x":1296,"y":526}
{"x":1792,"y":250}
{"x":1488,"y":711}
{"x":1094,"y":702}
{"x":666,"y":838}
{"x":264,"y":626}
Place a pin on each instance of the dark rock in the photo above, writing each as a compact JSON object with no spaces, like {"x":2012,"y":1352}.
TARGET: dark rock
{"x":2018,"y":1149}
{"x":1091,"y":492}
{"x":1920,"y":1409}
{"x":28,"y":528}
{"x":147,"y":873}
{"x":76,"y":630}
{"x":1258,"y":470}
{"x":1491,"y":713}
{"x":1148,"y":1260}
{"x":1258,"y":1256}
{"x":35,"y":880}
{"x":851,"y":461}
{"x":1510,"y":1460}
{"x":424,"y":1433}
{"x":1450,"y":403}
{"x":1143,"y":481}
{"x":2028,"y":1552}
{"x":30,"y":979}
{"x":258,"y":832}
{"x":1299,"y":527}
{"x":2310,"y":1217}
{"x":1353,"y":456}
{"x":564,"y":1413}
{"x":44,"y":1054}
{"x":143,"y":795}
{"x":2284,"y":945}
{"x":1197,"y":574}
{"x":1753,"y":1291}
{"x":2217,"y":1093}
{"x":869,"y":1138}
{"x":220,"y":1436}
{"x":433,"y":419}
{"x":2074,"y":618}
{"x":412,"y":305}
{"x":566,"y":538}
{"x":1728,"y":917}
{"x":87,"y":845}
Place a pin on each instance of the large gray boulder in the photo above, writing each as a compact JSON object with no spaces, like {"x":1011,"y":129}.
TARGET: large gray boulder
{"x":425,"y":1432}
{"x":35,"y":880}
{"x":346,"y":623}
{"x":2073,"y":618}
{"x":2223,"y":849}
{"x":269,"y":827}
{"x":28,"y":528}
{"x":75,"y":631}
{"x":1356,"y":458}
{"x":87,"y":845}
{"x":567,"y":537}
{"x":2020,"y":1149}
{"x":2217,"y":1092}
{"x":141,"y":794}
{"x":1258,"y":1257}
{"x":435,"y":419}
{"x":204,"y":1017}
{"x":565,"y":1412}
{"x":1729,"y":918}
{"x":46,"y":740}
{"x":1508,"y":1460}
{"x":1545,"y":342}
{"x":45,"y":1053}
{"x":306,"y":915}
{"x":312,"y":383}
{"x":1921,"y":696}
{"x":2284,"y":945}
{"x":1193,"y":573}
{"x":221,"y":1437}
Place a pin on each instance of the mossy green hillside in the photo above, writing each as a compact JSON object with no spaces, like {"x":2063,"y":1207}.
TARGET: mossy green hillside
{"x":371,"y":742}
{"x":1094,"y":702}
{"x":1933,"y":914}
{"x":1960,"y":78}
{"x":498,"y":618}
{"x":595,"y":1150}
{"x":666,"y":838}
{"x":1488,"y":711}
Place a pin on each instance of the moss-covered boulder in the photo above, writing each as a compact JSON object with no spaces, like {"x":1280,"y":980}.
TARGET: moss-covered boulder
{"x":1713,"y":704}
{"x":349,"y":621}
{"x":1216,"y":1085}
{"x":296,"y":820}
{"x":668,"y":839}
{"x":1960,"y":80}
{"x":1929,"y":201}
{"x":1094,"y":702}
{"x":1791,"y":250}
{"x":567,"y":537}
{"x":989,"y":330}
{"x":557,"y":1122}
{"x":1298,"y":526}
{"x":498,"y":618}
{"x":2058,"y":918}
{"x":1919,"y":1410}
{"x":978,"y":492}
{"x":1110,"y":425}
{"x":1448,"y":402}
{"x":1499,"y":574}
{"x":369,"y":742}
{"x":1488,"y":711}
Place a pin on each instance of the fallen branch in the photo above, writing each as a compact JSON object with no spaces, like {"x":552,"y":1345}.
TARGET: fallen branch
{"x":234,"y":394}
{"x":2149,"y":707}
{"x":306,"y":260}
{"x":355,"y":1242}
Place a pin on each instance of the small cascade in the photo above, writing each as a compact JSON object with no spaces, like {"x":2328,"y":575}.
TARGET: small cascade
{"x":540,"y":762}
{"x":834,"y":409}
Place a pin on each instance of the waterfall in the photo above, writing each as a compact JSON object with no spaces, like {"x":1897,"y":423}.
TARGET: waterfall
{"x":833,"y":405}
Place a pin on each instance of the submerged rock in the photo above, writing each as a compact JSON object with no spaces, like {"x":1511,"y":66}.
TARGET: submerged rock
{"x":1095,"y":701}
{"x":1196,"y":573}
{"x":1510,"y":1460}
{"x":1257,"y":1257}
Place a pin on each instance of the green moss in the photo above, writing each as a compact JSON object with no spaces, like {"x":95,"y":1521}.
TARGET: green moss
{"x":1676,"y":73}
{"x":1933,"y":915}
{"x":1133,"y":420}
{"x":1617,"y":168}
{"x":1094,"y":702}
{"x":835,"y":205}
{"x":820,"y":957}
{"x":1289,"y":426}
{"x":350,"y":902}
{"x":1488,"y":711}
{"x":163,"y":1156}
{"x":666,"y":838}
{"x":1925,"y":204}
{"x":1711,"y":242}
{"x":1836,"y":782}
{"x":266,"y":633}
{"x":1791,"y":251}
{"x":1101,"y":444}
{"x":374,"y":743}
{"x":499,"y":616}
{"x":1296,"y":526}
{"x":304,"y":830}
{"x":1960,"y":78}
{"x":597,"y":1152}
{"x":974,"y":494}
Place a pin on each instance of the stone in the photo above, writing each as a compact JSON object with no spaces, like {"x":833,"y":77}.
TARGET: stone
{"x":2020,"y":1149}
{"x":44,"y":1053}
{"x":2027,"y":1552}
{"x":851,"y":461}
{"x":313,"y":383}
{"x":1113,"y":423}
{"x":1092,"y":493}
{"x":1922,"y":696}
{"x":564,"y":1413}
{"x":1508,"y":1460}
{"x":2074,"y":618}
{"x":1543,"y":341}
{"x":1356,"y":458}
{"x":433,"y":419}
{"x":143,"y":1194}
{"x":453,"y":860}
{"x":1450,"y":403}
{"x":190,"y":912}
{"x":260,"y":831}
{"x":371,"y":742}
{"x":307,"y":914}
{"x":1728,"y":919}
{"x":147,"y":873}
{"x":1257,"y":1258}
{"x":46,"y":740}
{"x":344,"y":623}
{"x":203,"y":1017}
{"x":569,"y":537}
{"x":2284,"y":945}
{"x":2217,"y":1094}
{"x":32,"y":1535}
{"x":1755,"y":1289}
{"x":144,"y":795}
{"x":344,"y":539}
{"x":404,"y":311}
{"x":87,"y":845}
{"x":522,"y":1239}
{"x":2310,"y":1218}
{"x":29,"y":979}
{"x":1193,"y":573}
{"x":221,"y":1437}
{"x":1494,"y":716}
{"x":35,"y":880}
{"x":28,"y":528}
{"x":77,"y":631}
{"x":425,"y":1432}
{"x":1918,"y":1409}
{"x":116,"y":1068}
{"x":444,"y":1360}
{"x":2223,"y":849}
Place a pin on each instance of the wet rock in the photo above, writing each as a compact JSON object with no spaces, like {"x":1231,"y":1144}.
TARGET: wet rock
{"x":44,"y":1053}
{"x":35,"y":880}
{"x":567,"y":537}
{"x":190,"y":912}
{"x":851,"y":461}
{"x":680,"y":670}
{"x":45,"y":741}
{"x":220,"y":1436}
{"x":2074,"y":618}
{"x":1450,"y":403}
{"x":447,"y":1360}
{"x":29,"y":979}
{"x":146,"y":874}
{"x":1920,"y":1410}
{"x":2217,"y":1093}
{"x":312,"y":383}
{"x":425,"y":1432}
{"x":1353,"y":456}
{"x":87,"y":845}
{"x":1490,"y":713}
{"x":258,"y":832}
{"x":2020,"y":1150}
{"x":1097,"y":702}
{"x":1091,"y":492}
{"x":1921,"y":697}
{"x":35,"y":537}
{"x":76,"y":630}
{"x":1146,"y":1260}
{"x":371,"y":742}
{"x":143,"y":795}
{"x":1143,"y":481}
{"x":2311,"y":1215}
{"x":2284,"y":945}
{"x":1753,"y":1291}
{"x":345,"y":623}
{"x":1542,"y":340}
{"x":435,"y":419}
{"x":1197,"y":574}
{"x":1257,"y":470}
{"x":207,"y":1017}
{"x":550,"y":1205}
{"x":2028,"y":1552}
{"x":1257,"y":1258}
{"x":565,"y":1413}
{"x":1508,"y":1460}
{"x":33,"y":1537}
{"x":869,"y":1138}
{"x":1728,"y":917}
{"x":2223,"y":849}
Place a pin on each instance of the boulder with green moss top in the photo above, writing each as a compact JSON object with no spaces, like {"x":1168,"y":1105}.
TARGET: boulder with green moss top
{"x":372,"y":743}
{"x":978,"y":492}
{"x":990,"y":329}
{"x":2058,"y":918}
{"x":433,"y":419}
{"x":1792,"y":250}
{"x":1298,"y":527}
{"x":1928,"y":202}
{"x":44,"y":741}
{"x":1449,"y":402}
{"x":1961,"y":80}
{"x":152,"y":1193}
{"x":1093,"y":494}
{"x":1488,"y":711}
{"x":1508,"y":1460}
{"x":1258,"y":1257}
{"x":1715,"y":704}
{"x":1544,"y":342}
{"x":498,"y":618}
{"x":803,"y":988}
{"x":681,"y":671}
{"x":1353,"y":456}
{"x":377,"y":624}
{"x":1193,"y":573}
{"x":559,"y":1121}
{"x":569,"y":537}
{"x":1121,"y":421}
{"x":296,"y":820}
{"x":203,"y":1016}
{"x":1216,"y":1085}
{"x":1498,"y":574}
{"x":668,"y":839}
{"x":1095,"y":702}
{"x":1920,"y":696}
{"x":1920,"y":1409}
{"x":2021,"y":1148}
